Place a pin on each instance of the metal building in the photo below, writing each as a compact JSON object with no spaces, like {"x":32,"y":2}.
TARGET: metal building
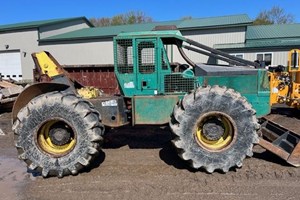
{"x":269,"y":43}
{"x":98,"y":41}
{"x":18,"y":41}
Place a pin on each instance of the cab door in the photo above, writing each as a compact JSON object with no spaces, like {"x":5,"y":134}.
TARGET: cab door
{"x":147,"y":74}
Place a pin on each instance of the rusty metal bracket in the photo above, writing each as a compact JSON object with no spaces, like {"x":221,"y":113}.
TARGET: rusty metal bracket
{"x":280,"y":141}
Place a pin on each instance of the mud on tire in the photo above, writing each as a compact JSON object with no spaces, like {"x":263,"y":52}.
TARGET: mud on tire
{"x":205,"y":103}
{"x":77,"y":149}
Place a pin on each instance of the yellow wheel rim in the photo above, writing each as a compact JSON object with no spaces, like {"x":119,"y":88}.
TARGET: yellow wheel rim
{"x":47,"y":144}
{"x":221,"y":140}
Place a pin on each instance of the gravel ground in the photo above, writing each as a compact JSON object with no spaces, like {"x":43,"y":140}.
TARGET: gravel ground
{"x":139,"y":163}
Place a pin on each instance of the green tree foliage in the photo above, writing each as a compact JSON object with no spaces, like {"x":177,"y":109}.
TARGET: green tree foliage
{"x":132,"y":17}
{"x":275,"y":15}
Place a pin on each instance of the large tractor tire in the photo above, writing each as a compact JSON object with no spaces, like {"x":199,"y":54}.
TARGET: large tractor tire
{"x":58,"y":134}
{"x":214,"y":128}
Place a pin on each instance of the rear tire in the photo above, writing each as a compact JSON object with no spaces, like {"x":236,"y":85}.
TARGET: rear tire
{"x":58,"y":134}
{"x":214,"y":128}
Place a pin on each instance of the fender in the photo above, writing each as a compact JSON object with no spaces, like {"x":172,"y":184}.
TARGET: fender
{"x":33,"y":91}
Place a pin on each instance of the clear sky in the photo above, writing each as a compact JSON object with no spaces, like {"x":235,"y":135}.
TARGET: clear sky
{"x":14,"y":11}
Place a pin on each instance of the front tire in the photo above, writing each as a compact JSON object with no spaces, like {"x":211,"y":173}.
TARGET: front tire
{"x":214,"y":128}
{"x":58,"y":134}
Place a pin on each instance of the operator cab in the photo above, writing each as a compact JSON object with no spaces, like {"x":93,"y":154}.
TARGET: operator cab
{"x":142,"y":65}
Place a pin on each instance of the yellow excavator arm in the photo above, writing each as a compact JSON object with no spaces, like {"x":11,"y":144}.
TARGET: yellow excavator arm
{"x":49,"y":70}
{"x":47,"y":65}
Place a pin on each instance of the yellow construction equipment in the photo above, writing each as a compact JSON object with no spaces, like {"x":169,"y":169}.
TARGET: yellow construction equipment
{"x":284,"y":89}
{"x":285,"y":82}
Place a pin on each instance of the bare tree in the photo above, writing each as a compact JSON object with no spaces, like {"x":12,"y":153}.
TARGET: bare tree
{"x":118,"y":20}
{"x":104,"y":21}
{"x":186,"y":18}
{"x":136,"y":17}
{"x":275,"y":15}
{"x":132,"y":17}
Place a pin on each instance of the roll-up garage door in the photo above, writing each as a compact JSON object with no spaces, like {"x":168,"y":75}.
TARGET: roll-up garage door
{"x":10,"y":65}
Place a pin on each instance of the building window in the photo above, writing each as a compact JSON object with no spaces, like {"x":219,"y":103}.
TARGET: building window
{"x":266,"y":57}
{"x":238,"y":55}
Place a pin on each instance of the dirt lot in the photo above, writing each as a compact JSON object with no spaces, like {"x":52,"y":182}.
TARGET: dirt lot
{"x":140,"y":163}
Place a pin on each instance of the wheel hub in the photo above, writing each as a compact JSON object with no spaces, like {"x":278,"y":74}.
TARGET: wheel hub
{"x":59,"y":135}
{"x":56,"y":137}
{"x":213,"y":129}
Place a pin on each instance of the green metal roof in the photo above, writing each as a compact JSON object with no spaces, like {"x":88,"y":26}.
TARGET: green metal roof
{"x":273,"y":31}
{"x":230,"y":46}
{"x":36,"y":24}
{"x":102,"y":32}
{"x":279,"y":42}
{"x":111,"y":31}
{"x":284,"y":42}
{"x":279,"y":35}
{"x":216,"y":21}
{"x":163,"y":34}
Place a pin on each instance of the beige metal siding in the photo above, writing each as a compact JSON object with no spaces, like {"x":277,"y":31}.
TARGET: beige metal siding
{"x":210,"y":37}
{"x":87,"y":53}
{"x":278,"y":57}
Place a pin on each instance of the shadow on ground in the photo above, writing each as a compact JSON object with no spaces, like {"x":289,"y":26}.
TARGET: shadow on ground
{"x":270,"y":157}
{"x":138,"y":137}
{"x":286,"y":111}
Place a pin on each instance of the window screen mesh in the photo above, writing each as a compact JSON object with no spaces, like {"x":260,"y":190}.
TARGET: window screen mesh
{"x":146,"y":51}
{"x":177,"y":83}
{"x":125,"y":56}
